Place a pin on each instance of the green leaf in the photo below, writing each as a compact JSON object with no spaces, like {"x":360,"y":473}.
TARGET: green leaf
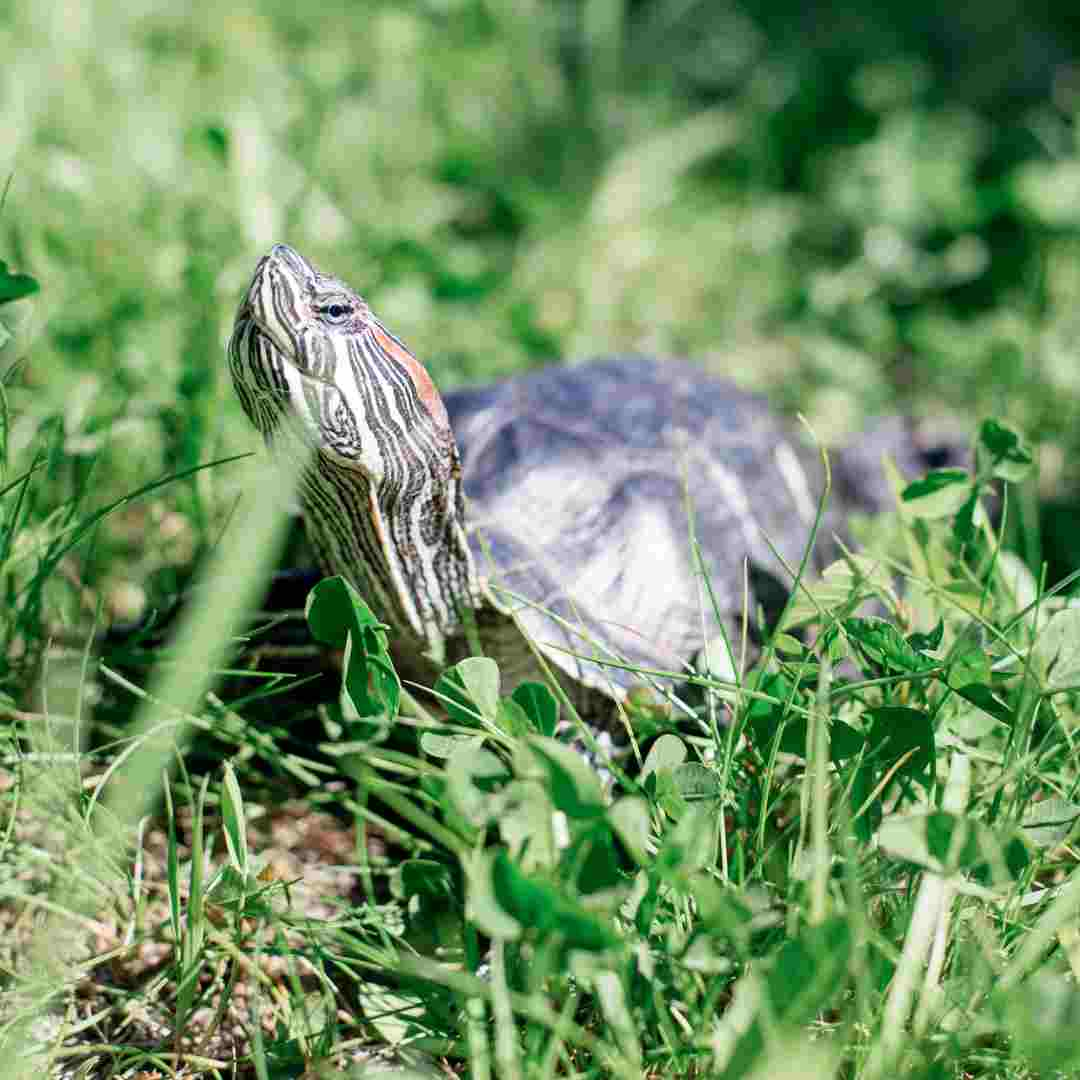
{"x":807,"y":974}
{"x":396,"y":1017}
{"x":939,"y":494}
{"x":1010,"y":458}
{"x":232,"y":820}
{"x":629,"y":817}
{"x":692,"y":844}
{"x":17,"y":326}
{"x":540,"y":705}
{"x":573,"y":786}
{"x":947,"y":843}
{"x":216,"y":140}
{"x":339,"y":618}
{"x":764,"y":718}
{"x":982,"y":696}
{"x":475,"y":683}
{"x":903,"y":837}
{"x":952,"y":840}
{"x":1056,"y":653}
{"x":844,"y":741}
{"x":470,"y":691}
{"x":437,"y":745}
{"x":15,"y":286}
{"x":536,"y":904}
{"x":964,"y":522}
{"x":483,"y":906}
{"x":1048,"y":190}
{"x":596,"y":857}
{"x":525,"y":826}
{"x":1042,"y":1018}
{"x":349,"y":731}
{"x":842,"y":587}
{"x":425,"y":878}
{"x":513,"y":719}
{"x":473,"y":776}
{"x":611,"y":995}
{"x":1049,"y":822}
{"x":971,"y":723}
{"x":928,"y":642}
{"x":666,"y":753}
{"x":882,"y":644}
{"x":808,"y":971}
{"x":726,"y":910}
{"x":480,"y":678}
{"x":787,"y":645}
{"x":968,"y":662}
{"x":696,"y":781}
{"x":897,"y":732}
{"x":450,"y":690}
{"x":1018,"y":579}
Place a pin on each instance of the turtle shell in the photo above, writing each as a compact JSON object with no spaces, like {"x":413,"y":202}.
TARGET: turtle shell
{"x":582,"y":483}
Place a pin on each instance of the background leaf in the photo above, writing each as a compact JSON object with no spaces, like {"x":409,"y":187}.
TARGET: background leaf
{"x":15,"y":286}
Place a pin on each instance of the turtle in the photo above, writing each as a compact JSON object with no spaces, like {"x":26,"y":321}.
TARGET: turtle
{"x":551,"y":516}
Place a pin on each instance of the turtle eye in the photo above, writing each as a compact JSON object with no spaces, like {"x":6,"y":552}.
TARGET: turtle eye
{"x":336,"y":311}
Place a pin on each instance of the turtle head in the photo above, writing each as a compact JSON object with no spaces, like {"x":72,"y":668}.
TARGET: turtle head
{"x":306,"y":349}
{"x":306,"y":314}
{"x":382,"y":495}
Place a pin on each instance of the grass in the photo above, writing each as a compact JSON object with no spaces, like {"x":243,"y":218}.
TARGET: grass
{"x":210,"y":865}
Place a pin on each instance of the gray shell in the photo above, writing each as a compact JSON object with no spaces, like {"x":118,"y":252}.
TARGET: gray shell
{"x":577,"y":481}
{"x":583,"y":483}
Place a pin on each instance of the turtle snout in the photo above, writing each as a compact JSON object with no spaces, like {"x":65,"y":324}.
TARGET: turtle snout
{"x":275,"y":302}
{"x":292,"y":258}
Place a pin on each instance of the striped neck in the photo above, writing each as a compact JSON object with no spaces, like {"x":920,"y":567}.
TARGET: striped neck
{"x":318,"y":374}
{"x":404,"y":550}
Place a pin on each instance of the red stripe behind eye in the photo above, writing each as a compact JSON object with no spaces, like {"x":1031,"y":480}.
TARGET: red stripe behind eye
{"x":425,"y":388}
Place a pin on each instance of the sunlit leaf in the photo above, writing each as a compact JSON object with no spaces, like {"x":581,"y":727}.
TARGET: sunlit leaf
{"x":470,"y":690}
{"x":437,"y":745}
{"x":232,"y":820}
{"x":939,"y":494}
{"x":393,"y":1015}
{"x":473,"y":775}
{"x":841,"y":588}
{"x":665,"y":753}
{"x":629,"y":817}
{"x":1056,"y":653}
{"x":1049,"y":821}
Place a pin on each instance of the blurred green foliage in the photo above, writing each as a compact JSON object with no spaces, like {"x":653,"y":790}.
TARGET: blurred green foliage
{"x":858,"y":211}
